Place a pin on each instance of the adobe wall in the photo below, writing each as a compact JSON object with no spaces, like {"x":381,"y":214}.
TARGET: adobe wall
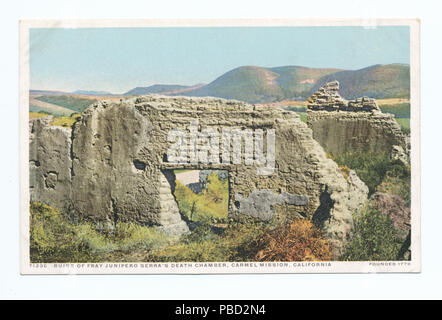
{"x":119,"y":169}
{"x":342,"y":126}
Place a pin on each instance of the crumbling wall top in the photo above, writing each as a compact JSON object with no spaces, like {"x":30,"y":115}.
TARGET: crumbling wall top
{"x":327,"y":98}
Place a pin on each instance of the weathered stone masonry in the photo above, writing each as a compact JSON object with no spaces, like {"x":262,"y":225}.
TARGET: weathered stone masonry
{"x":112,"y":166}
{"x":357,"y":125}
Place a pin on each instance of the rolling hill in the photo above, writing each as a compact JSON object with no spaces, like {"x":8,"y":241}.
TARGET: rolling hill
{"x":74,"y":103}
{"x":256,"y":84}
{"x":250,"y":84}
{"x":36,"y":105}
{"x":296,"y":82}
{"x":263,"y":85}
{"x":378,"y":81}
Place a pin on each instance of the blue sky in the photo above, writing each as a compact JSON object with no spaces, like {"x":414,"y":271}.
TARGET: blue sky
{"x":119,"y":59}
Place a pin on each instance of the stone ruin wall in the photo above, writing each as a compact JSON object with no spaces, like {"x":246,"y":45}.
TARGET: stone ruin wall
{"x":112,"y":167}
{"x":327,"y":98}
{"x":50,"y":163}
{"x":342,"y":126}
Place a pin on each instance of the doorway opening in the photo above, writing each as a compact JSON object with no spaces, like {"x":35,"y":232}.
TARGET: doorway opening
{"x":202,"y":195}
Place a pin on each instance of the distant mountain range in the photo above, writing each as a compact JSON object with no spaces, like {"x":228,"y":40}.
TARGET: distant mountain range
{"x":260,"y":85}
{"x":48,"y":92}
{"x":256,"y":84}
{"x":65,"y":93}
{"x":378,"y":81}
{"x":92,"y":93}
{"x":167,"y":89}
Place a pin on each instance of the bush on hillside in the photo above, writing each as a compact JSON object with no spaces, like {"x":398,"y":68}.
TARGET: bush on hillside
{"x":298,"y":241}
{"x":397,"y":181}
{"x":209,"y":206}
{"x":237,"y":243}
{"x":53,"y":239}
{"x":66,"y":122}
{"x":374,"y":238}
{"x":369,"y":166}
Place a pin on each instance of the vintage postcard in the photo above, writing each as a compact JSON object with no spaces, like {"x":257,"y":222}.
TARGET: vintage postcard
{"x":219,"y":146}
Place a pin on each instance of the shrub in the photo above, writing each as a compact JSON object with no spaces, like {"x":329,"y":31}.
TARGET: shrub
{"x":187,"y":200}
{"x":210,"y":251}
{"x":208,"y":206}
{"x":303,"y":116}
{"x":396,"y":186}
{"x":374,"y":238}
{"x":299,"y":241}
{"x":378,"y":172}
{"x":132,"y":236}
{"x":237,"y":243}
{"x":61,"y":121}
{"x":201,"y":233}
{"x":369,"y":166}
{"x":397,"y":181}
{"x":53,"y":239}
{"x":66,"y":122}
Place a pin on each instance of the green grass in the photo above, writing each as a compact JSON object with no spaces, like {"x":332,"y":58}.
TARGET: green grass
{"x":371,"y":168}
{"x":60,"y":121}
{"x":378,"y":172}
{"x":405,"y":124}
{"x":209,"y":206}
{"x":236,"y":243}
{"x":400,"y":110}
{"x":397,"y":181}
{"x":66,"y":122}
{"x":45,"y":107}
{"x":401,"y":113}
{"x":34,"y":115}
{"x":54,"y":239}
{"x":73,"y":103}
{"x":303,"y":116}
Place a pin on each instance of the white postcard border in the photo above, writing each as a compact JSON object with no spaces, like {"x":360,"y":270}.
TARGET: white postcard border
{"x":413,"y":266}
